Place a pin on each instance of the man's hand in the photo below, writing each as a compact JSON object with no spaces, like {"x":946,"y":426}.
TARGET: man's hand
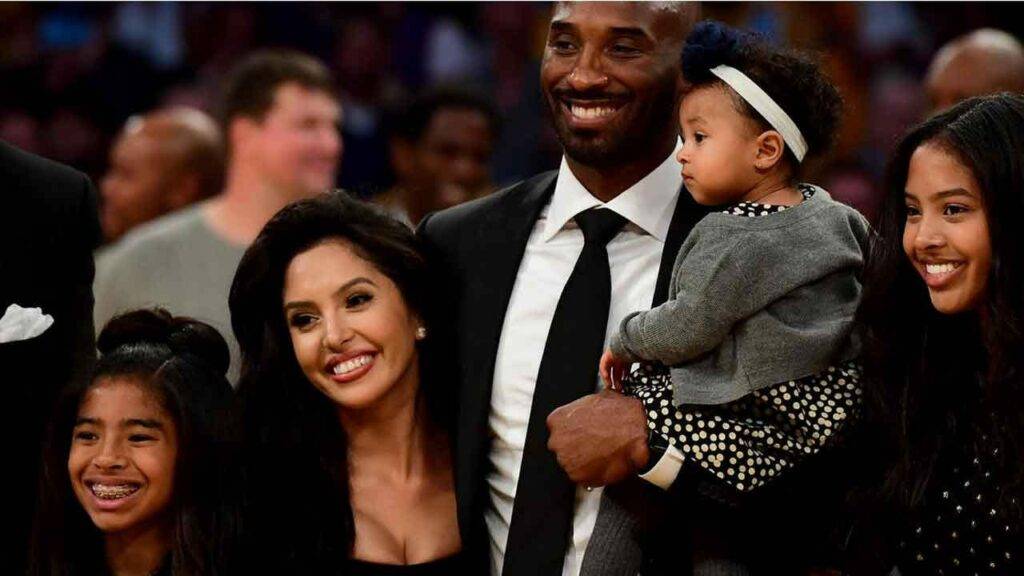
{"x":612,"y":370}
{"x":600,"y":439}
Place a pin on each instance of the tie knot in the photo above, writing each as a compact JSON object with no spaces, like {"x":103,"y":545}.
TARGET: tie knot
{"x":599,"y":225}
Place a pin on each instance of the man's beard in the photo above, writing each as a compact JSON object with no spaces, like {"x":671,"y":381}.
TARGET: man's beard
{"x":631,"y":140}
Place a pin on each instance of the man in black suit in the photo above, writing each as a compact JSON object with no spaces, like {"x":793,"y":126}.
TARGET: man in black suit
{"x":610,"y":76}
{"x":48,"y":229}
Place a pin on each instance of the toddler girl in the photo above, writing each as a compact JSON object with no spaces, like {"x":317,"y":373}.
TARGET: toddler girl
{"x":756,"y":333}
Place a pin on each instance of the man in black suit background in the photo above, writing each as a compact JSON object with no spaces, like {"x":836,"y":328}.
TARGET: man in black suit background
{"x":611,"y":78}
{"x":48,"y":229}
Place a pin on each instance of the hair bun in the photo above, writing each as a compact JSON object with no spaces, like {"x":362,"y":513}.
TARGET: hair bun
{"x":134,"y":328}
{"x":181,"y":335}
{"x":710,"y":44}
{"x":199,"y":338}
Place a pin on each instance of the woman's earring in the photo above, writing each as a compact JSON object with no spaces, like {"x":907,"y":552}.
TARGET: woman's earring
{"x":421,"y":333}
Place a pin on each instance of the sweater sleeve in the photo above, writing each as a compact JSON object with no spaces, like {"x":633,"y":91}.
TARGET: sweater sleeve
{"x":719,"y":278}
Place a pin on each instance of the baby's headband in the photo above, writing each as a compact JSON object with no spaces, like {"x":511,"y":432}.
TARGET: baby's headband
{"x":763,"y":103}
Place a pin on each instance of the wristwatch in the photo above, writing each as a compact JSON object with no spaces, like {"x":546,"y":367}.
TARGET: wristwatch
{"x":657,"y":445}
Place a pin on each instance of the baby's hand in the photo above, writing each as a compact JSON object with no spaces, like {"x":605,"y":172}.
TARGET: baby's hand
{"x":612,"y":370}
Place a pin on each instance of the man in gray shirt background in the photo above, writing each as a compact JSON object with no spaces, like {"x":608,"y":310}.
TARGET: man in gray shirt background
{"x":280,"y":116}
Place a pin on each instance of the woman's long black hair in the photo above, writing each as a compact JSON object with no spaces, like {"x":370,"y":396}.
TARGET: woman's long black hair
{"x":937,"y":381}
{"x":182,"y":363}
{"x":296,"y":461}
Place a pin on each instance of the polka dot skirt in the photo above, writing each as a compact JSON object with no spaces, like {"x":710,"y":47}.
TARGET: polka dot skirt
{"x":750,"y":441}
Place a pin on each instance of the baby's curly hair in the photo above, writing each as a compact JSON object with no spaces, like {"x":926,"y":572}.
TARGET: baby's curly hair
{"x":792,"y":78}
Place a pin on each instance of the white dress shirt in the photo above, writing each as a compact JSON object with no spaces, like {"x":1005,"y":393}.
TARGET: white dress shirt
{"x":555,"y":243}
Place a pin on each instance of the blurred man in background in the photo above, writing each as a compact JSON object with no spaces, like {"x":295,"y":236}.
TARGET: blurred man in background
{"x":161,"y":162}
{"x":985,"y":61}
{"x":441,"y":152}
{"x":280,"y":118}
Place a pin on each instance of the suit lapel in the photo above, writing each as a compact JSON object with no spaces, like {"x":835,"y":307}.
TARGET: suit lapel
{"x":499,"y":244}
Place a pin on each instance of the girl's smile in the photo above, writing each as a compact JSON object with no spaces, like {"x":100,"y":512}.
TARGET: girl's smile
{"x":946,"y":234}
{"x":122,"y":459}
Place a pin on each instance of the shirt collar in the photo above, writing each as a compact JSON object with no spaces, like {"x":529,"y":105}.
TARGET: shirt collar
{"x":648,"y":204}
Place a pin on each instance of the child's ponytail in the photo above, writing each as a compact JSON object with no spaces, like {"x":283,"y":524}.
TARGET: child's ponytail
{"x":710,"y":44}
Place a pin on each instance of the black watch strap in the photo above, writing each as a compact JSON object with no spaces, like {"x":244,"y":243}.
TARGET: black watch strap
{"x":657,"y":445}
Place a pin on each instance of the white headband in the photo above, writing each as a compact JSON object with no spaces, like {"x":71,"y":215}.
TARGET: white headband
{"x":763,"y":103}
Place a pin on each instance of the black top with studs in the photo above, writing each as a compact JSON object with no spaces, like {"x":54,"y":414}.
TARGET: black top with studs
{"x":966,"y":523}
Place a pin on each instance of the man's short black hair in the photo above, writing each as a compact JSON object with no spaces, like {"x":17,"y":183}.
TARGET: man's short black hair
{"x":251,"y":85}
{"x":412,"y":123}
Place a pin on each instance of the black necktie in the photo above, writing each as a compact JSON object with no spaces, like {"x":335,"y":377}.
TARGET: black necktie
{"x":541,"y":526}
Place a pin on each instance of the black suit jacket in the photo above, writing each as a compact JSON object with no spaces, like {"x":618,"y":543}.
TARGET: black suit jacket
{"x":48,"y":229}
{"x":479,"y":246}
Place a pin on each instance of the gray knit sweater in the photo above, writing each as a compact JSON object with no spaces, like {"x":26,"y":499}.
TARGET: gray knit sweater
{"x":755,"y":302}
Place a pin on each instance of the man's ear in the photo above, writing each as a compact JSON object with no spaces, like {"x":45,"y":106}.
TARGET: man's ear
{"x":240,"y":131}
{"x":770,"y":149}
{"x":183,"y":192}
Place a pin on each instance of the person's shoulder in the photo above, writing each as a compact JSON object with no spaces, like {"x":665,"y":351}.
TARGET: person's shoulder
{"x":840,"y":215}
{"x":38,"y":177}
{"x":150,"y":240}
{"x":456,"y":218}
{"x":46,"y":204}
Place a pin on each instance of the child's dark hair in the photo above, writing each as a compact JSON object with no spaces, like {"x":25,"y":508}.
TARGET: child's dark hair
{"x":181,"y":362}
{"x":791,"y":78}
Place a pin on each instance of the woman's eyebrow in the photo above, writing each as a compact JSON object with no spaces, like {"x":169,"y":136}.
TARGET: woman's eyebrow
{"x":944,"y":194}
{"x":355,"y":281}
{"x":85,"y":420}
{"x":304,"y":303}
{"x":954,"y":192}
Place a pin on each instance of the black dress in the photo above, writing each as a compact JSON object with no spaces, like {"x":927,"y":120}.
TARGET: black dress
{"x":454,"y":564}
{"x":966,"y":522}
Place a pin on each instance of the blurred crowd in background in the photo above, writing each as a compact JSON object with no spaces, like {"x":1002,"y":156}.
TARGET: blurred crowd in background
{"x":76,"y":76}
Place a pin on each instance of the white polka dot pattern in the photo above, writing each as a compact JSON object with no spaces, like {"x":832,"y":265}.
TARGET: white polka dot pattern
{"x":754,"y":209}
{"x":752,"y":440}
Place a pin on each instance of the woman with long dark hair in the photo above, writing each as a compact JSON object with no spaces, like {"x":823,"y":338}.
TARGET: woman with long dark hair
{"x":944,"y":319}
{"x":348,"y":463}
{"x":138,"y":472}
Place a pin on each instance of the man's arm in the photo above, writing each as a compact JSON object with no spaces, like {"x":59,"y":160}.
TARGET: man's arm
{"x":80,"y":297}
